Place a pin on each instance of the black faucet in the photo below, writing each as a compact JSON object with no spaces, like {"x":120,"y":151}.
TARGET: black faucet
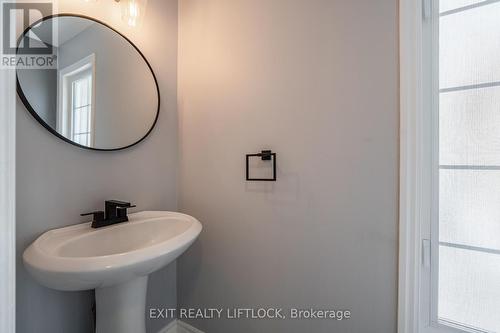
{"x":115,"y":212}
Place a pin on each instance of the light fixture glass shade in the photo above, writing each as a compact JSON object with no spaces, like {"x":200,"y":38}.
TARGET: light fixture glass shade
{"x":133,"y":11}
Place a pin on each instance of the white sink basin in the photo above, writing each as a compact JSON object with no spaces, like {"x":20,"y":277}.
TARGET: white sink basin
{"x":114,"y":260}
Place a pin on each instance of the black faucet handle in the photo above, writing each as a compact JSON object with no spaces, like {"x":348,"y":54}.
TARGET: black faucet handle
{"x":111,"y":208}
{"x":118,"y":203}
{"x":121,"y":211}
{"x":126,"y":205}
{"x":97,"y":215}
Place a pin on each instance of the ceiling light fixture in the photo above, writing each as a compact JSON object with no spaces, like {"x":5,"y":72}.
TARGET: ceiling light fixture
{"x":132,"y":11}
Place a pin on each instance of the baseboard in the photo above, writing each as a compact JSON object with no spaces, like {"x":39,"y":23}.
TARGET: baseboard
{"x":178,"y":326}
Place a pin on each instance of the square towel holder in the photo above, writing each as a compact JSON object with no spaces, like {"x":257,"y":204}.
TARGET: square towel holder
{"x":265,"y":155}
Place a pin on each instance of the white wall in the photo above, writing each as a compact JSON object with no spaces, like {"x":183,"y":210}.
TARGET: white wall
{"x":316,"y":81}
{"x":57,"y":181}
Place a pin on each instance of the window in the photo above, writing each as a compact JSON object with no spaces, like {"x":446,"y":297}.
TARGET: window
{"x":81,"y":109}
{"x":76,"y":108}
{"x":460,"y":274}
{"x":469,"y":165}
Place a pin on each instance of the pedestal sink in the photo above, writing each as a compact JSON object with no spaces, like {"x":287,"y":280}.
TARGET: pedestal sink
{"x":114,"y":260}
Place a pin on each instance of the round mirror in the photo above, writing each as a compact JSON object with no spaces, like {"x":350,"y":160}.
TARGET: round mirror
{"x":100,"y":93}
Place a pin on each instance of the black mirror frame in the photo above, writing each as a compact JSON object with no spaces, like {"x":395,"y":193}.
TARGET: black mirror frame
{"x":32,"y":111}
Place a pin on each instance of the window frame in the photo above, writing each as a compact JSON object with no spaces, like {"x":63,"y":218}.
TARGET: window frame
{"x":419,"y":171}
{"x":64,"y":104}
{"x":411,"y":58}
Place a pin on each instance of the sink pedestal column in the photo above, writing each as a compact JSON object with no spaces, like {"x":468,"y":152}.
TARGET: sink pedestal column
{"x":122,"y":308}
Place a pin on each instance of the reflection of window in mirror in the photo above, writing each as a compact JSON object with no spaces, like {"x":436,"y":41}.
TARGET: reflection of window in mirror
{"x":75,"y":115}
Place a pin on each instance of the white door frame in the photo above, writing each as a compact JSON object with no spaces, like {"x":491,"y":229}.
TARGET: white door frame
{"x":7,"y":200}
{"x":7,"y":197}
{"x":411,"y":157}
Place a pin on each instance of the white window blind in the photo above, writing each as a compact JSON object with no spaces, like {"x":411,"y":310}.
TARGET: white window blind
{"x":468,"y":283}
{"x":81,"y":110}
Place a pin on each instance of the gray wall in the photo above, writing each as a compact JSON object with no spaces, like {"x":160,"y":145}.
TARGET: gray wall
{"x":57,"y":181}
{"x":316,"y":81}
{"x":40,"y":88}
